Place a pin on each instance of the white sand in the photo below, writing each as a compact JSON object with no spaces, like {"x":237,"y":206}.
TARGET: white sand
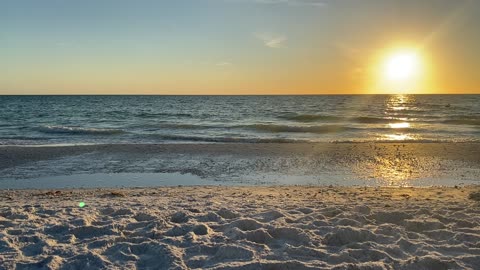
{"x":241,"y":228}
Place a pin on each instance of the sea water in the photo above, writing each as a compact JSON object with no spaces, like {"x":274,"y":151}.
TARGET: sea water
{"x":52,"y":120}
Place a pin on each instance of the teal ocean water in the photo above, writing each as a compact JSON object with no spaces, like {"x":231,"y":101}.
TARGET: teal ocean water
{"x":50,"y":120}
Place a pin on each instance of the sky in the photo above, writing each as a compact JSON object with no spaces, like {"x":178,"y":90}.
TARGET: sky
{"x":235,"y":46}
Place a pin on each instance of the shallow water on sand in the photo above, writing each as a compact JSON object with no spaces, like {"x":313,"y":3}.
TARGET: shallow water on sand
{"x":347,"y":164}
{"x":98,"y":180}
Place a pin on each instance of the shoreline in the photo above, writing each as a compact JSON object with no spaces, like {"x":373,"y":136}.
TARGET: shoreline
{"x":347,"y":164}
{"x":66,"y":149}
{"x":294,"y":227}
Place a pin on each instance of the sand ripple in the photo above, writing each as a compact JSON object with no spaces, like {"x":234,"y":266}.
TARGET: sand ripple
{"x":241,"y":228}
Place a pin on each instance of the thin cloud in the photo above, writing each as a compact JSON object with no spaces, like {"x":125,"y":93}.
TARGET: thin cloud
{"x":271,"y":40}
{"x":223,"y":64}
{"x":316,"y":3}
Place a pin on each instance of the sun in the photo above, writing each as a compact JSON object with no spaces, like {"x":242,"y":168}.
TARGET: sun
{"x":402,"y":65}
{"x":400,"y":70}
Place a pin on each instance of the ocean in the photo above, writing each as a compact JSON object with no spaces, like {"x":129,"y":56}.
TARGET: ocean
{"x":70,"y":120}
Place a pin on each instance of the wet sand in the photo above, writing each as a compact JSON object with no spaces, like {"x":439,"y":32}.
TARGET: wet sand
{"x":17,"y":155}
{"x":397,"y":164}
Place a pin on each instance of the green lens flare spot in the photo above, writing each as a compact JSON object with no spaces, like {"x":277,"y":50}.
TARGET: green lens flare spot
{"x":81,"y":204}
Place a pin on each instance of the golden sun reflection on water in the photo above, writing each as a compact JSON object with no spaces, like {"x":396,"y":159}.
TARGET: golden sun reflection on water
{"x":399,"y":125}
{"x":392,"y":171}
{"x":394,"y":167}
{"x":398,"y":137}
{"x":398,"y":103}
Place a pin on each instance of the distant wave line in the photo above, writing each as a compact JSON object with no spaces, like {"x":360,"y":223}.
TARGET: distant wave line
{"x":225,"y":139}
{"x":79,"y":130}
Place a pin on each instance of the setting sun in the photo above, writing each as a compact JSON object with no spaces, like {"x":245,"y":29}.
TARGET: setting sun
{"x":401,"y":70}
{"x":402,"y":66}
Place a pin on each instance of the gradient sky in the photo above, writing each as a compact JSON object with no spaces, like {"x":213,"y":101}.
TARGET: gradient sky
{"x":232,"y":46}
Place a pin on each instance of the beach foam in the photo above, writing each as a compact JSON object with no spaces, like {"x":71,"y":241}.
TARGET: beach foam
{"x":79,"y":130}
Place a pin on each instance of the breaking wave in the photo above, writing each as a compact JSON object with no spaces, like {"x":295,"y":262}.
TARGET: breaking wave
{"x":310,"y":117}
{"x":473,"y":122}
{"x":308,"y":129}
{"x":79,"y":130}
{"x":226,"y":139}
{"x":329,"y":118}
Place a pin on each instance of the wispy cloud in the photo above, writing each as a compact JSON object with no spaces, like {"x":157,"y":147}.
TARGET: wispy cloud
{"x":317,"y":3}
{"x":223,"y":64}
{"x":272,"y":40}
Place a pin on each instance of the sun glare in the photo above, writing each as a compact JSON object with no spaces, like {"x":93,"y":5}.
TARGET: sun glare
{"x":399,"y":125}
{"x":402,"y":66}
{"x":400,"y":70}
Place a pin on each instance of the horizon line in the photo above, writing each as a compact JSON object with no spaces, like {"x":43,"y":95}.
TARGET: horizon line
{"x":343,"y":94}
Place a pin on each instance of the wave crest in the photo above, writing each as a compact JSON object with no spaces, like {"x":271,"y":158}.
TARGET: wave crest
{"x":79,"y":130}
{"x":361,"y":119}
{"x":307,"y":129}
{"x":156,"y":115}
{"x":226,"y":139}
{"x":473,"y":122}
{"x":310,"y":117}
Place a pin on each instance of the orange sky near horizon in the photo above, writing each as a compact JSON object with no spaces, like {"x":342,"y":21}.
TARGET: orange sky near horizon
{"x":210,"y":48}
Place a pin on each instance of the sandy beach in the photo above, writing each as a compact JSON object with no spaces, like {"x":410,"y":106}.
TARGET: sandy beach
{"x":369,"y":206}
{"x":296,"y":227}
